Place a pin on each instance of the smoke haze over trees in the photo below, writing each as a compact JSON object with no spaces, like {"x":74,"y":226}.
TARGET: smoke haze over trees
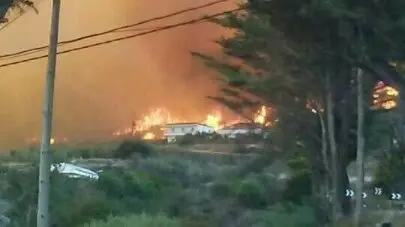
{"x":101,"y":89}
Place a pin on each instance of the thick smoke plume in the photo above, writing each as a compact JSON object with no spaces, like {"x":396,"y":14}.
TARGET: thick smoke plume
{"x":101,"y":89}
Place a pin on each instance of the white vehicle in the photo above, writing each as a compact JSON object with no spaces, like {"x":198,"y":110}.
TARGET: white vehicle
{"x":74,"y":171}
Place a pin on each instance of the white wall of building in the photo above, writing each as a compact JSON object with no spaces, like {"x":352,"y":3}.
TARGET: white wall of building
{"x":175,"y":130}
{"x":233,"y":132}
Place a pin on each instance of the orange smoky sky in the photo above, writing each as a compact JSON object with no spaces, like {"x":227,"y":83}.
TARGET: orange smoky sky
{"x":104,"y":88}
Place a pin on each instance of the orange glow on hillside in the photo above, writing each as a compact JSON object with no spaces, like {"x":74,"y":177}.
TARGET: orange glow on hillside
{"x":156,"y":117}
{"x":149,"y":136}
{"x":261,"y":116}
{"x":52,"y":141}
{"x":214,"y":120}
{"x":159,"y":117}
{"x":384,"y":96}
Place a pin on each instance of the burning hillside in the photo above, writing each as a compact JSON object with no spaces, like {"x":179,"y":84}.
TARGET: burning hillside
{"x":152,"y":125}
{"x":118,"y":80}
{"x":262,"y":116}
{"x":384,"y":97}
{"x":35,"y":141}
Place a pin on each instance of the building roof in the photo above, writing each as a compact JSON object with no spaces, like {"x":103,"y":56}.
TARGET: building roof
{"x":243,"y":125}
{"x":187,"y":123}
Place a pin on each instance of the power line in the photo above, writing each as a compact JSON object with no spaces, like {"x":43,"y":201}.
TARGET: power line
{"x":167,"y":27}
{"x":36,"y":49}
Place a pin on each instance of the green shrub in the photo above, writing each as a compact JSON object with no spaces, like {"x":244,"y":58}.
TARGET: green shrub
{"x":221,"y":189}
{"x":298,"y":188}
{"x":187,"y":139}
{"x":83,"y":205}
{"x":136,"y":190}
{"x":100,"y":153}
{"x":128,"y":148}
{"x":256,"y":164}
{"x":19,"y":188}
{"x":202,"y":191}
{"x":60,"y":156}
{"x":24,"y":155}
{"x":241,"y":149}
{"x":193,"y":204}
{"x":390,"y":168}
{"x":120,"y":184}
{"x":281,"y":216}
{"x":73,"y":201}
{"x":251,"y":193}
{"x":85,"y":153}
{"x":298,"y":161}
{"x":77,"y":201}
{"x":142,"y":220}
{"x":187,"y":170}
{"x":13,"y":153}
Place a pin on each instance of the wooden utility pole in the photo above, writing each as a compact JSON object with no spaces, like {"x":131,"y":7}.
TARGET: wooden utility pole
{"x":360,"y":149}
{"x":45,"y":155}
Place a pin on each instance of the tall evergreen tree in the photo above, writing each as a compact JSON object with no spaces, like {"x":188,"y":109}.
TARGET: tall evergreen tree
{"x":6,"y":5}
{"x":303,"y":55}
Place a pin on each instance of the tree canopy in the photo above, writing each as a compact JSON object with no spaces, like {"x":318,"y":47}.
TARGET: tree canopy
{"x":301,"y":58}
{"x":6,"y":5}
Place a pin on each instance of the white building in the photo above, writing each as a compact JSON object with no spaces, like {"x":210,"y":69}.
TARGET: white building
{"x":181,"y":129}
{"x":240,"y":129}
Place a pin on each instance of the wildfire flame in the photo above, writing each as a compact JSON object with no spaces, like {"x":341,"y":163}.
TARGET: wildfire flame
{"x":156,"y":117}
{"x":149,"y":136}
{"x":214,"y":120}
{"x":159,"y":117}
{"x":384,"y":96}
{"x":261,"y":116}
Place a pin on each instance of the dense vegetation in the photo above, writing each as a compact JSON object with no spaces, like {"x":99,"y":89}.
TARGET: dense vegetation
{"x":161,"y":190}
{"x":317,"y":63}
{"x":157,"y":187}
{"x":5,"y":6}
